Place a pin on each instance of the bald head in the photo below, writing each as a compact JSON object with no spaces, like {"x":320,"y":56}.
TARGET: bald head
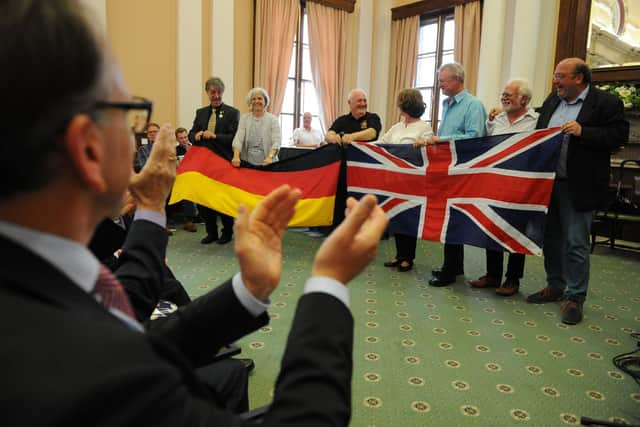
{"x":571,"y":77}
{"x":358,"y":103}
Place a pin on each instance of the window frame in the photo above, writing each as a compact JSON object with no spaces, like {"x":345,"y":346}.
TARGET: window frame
{"x":440,"y":17}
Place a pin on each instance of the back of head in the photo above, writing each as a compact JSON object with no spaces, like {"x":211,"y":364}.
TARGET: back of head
{"x":52,"y":66}
{"x":410,"y":101}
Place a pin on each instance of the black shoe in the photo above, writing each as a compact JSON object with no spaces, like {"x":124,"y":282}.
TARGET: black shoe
{"x":249,"y":365}
{"x":393,"y":263}
{"x":545,"y":295}
{"x":224,"y":240}
{"x":571,"y":312}
{"x":403,"y":268}
{"x":442,"y":280}
{"x":209,"y":239}
{"x":438,"y":271}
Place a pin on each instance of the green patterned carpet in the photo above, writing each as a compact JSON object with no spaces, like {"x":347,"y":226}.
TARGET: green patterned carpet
{"x":453,"y":355}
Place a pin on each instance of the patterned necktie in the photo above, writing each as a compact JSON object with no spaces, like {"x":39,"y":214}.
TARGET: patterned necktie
{"x":111,"y":294}
{"x":212,"y":121}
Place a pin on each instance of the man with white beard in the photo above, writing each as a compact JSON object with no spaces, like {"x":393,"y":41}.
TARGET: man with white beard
{"x":515,"y":116}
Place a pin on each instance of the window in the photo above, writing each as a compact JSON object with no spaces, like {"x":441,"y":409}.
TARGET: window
{"x":300,"y":95}
{"x":436,"y":42}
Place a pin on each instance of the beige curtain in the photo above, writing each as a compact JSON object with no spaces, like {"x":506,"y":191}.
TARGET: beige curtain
{"x":468,"y":20}
{"x":328,"y":40}
{"x":276,"y":24}
{"x":404,"y":58}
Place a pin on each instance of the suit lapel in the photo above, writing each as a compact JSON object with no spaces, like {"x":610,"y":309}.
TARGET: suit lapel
{"x":588,"y":107}
{"x":547,"y":112}
{"x":25,"y":272}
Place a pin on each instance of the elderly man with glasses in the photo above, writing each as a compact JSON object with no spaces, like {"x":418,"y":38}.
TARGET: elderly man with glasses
{"x":593,"y":124}
{"x":515,"y":116}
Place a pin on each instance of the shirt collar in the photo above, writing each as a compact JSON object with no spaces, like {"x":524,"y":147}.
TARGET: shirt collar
{"x":456,"y":98}
{"x":580,"y":98}
{"x":68,"y":256}
{"x":529,"y":113}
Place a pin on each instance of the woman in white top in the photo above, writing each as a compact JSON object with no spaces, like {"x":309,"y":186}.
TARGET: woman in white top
{"x":258,"y":138}
{"x":406,"y":131}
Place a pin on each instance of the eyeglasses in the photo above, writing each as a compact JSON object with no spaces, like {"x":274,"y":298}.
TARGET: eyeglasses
{"x":506,"y":94}
{"x":138,"y":111}
{"x":560,"y":76}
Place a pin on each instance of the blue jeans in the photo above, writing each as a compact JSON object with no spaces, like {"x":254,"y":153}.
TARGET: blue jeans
{"x":566,"y":245}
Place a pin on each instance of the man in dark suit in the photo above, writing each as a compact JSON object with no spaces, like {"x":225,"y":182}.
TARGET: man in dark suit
{"x":593,"y":123}
{"x":73,"y":354}
{"x":217,"y":124}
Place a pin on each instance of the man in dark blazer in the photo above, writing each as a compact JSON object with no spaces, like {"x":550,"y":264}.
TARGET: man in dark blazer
{"x":217,"y":124}
{"x":69,"y":357}
{"x":593,"y":123}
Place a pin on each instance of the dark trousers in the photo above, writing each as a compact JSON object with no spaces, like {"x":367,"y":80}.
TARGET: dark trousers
{"x":453,"y":259}
{"x":515,"y":265}
{"x":188,"y":209}
{"x":405,"y":247}
{"x":210,"y":216}
{"x":229,"y":380}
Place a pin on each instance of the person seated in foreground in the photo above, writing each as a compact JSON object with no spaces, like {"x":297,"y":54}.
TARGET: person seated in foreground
{"x":99,"y":366}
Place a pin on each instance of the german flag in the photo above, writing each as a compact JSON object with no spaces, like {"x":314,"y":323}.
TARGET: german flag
{"x":207,"y":177}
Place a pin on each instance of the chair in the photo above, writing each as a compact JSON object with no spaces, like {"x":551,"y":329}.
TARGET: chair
{"x":621,"y":220}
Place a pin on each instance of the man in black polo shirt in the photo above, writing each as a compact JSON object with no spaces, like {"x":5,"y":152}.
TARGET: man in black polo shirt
{"x":358,"y":125}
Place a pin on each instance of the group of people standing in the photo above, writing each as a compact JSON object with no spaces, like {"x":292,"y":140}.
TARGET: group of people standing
{"x":591,"y":120}
{"x":593,"y":125}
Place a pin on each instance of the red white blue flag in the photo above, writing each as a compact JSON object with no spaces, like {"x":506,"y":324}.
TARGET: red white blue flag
{"x":490,"y":192}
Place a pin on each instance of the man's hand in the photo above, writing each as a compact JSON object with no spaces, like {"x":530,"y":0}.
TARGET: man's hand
{"x":258,"y":242}
{"x":207,"y":134}
{"x":347,"y":138}
{"x":572,"y":128}
{"x":351,"y":246}
{"x":421,"y":142}
{"x":128,"y":204}
{"x":333,"y":138}
{"x":152,"y":185}
{"x":494,"y":112}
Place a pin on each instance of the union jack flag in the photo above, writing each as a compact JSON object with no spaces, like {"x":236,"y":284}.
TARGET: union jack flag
{"x":491,"y":192}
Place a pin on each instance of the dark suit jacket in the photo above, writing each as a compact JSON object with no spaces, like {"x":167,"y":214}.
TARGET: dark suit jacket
{"x":226,"y":126}
{"x":66,"y":360}
{"x":588,"y":158}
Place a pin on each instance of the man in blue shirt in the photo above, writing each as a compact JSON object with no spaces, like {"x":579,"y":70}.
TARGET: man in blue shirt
{"x":463,"y":116}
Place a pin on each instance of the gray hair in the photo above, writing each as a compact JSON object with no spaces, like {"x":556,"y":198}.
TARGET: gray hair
{"x":523,"y":88}
{"x":258,"y":91}
{"x":454,"y":69}
{"x":216,"y":83}
{"x":352,"y":91}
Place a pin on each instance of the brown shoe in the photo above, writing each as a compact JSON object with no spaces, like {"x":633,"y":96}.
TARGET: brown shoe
{"x":190,"y":226}
{"x":484,"y":282}
{"x":508,"y":288}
